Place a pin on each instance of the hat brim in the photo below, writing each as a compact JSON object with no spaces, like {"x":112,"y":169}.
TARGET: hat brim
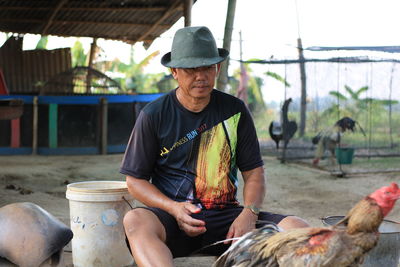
{"x":194,"y":62}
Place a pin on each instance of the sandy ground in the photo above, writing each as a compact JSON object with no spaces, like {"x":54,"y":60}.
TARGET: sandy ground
{"x":292,"y":188}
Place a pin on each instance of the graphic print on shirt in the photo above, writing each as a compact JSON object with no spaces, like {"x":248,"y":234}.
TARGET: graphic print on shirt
{"x":216,"y":181}
{"x":189,"y":136}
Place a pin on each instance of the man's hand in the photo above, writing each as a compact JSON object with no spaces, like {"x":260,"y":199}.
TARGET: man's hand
{"x":244,"y":223}
{"x":150,"y":196}
{"x":253,"y":194}
{"x":192,"y":227}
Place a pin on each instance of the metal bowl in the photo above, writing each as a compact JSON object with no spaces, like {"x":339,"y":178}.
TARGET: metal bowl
{"x":387,"y":251}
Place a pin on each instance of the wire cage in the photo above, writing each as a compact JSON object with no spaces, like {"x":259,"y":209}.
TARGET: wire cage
{"x":360,"y":88}
{"x":80,"y":80}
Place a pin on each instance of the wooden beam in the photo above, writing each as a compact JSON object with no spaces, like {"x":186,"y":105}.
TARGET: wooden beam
{"x":53,"y":15}
{"x":222,"y":80}
{"x":92,"y":55}
{"x":187,"y":12}
{"x":118,"y":9}
{"x":20,"y":20}
{"x":128,"y":39}
{"x":161,"y":19}
{"x":303,"y":88}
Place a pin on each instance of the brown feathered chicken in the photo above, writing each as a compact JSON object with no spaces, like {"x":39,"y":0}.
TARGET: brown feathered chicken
{"x":343,"y":244}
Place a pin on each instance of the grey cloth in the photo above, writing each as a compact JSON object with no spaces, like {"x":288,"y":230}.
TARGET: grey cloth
{"x":29,"y":235}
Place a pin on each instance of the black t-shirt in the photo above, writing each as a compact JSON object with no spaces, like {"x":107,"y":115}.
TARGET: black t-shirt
{"x":193,"y":156}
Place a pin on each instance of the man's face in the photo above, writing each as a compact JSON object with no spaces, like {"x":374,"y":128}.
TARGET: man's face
{"x":196,"y":82}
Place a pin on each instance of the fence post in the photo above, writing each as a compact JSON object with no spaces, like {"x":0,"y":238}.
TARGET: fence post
{"x":103,"y":123}
{"x":35,"y":126}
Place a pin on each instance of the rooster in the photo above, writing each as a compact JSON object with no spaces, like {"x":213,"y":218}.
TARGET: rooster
{"x":275,"y":131}
{"x":285,"y":131}
{"x":343,"y":244}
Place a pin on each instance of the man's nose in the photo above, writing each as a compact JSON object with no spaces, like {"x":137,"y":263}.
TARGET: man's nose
{"x":200,"y":74}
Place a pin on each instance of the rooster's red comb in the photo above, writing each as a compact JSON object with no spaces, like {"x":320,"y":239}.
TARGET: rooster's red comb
{"x":394,"y":186}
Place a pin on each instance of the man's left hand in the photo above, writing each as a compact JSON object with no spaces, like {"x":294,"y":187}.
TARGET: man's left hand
{"x":244,"y":223}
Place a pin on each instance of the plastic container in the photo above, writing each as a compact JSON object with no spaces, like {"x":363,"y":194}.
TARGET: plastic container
{"x":97,"y":209}
{"x":344,"y":155}
{"x":387,"y":252}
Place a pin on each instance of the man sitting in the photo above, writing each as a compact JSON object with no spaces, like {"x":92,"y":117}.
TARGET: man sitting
{"x":182,"y":160}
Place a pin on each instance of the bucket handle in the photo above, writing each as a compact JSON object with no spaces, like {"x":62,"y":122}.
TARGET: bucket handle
{"x":127,"y":202}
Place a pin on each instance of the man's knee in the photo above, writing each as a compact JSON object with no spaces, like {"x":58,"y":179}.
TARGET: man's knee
{"x":292,"y":222}
{"x":131,"y":220}
{"x":141,"y":221}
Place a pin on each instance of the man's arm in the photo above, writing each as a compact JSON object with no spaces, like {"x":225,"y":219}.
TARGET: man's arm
{"x":253,"y":195}
{"x":149,"y":195}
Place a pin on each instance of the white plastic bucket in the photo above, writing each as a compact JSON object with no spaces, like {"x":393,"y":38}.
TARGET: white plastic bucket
{"x":96,"y":212}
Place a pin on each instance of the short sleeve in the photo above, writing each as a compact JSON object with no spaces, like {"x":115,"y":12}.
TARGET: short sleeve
{"x":141,"y":152}
{"x":248,"y":148}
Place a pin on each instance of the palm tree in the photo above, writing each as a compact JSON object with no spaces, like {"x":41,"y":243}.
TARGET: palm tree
{"x":353,"y":105}
{"x":370,"y":110}
{"x":133,"y":77}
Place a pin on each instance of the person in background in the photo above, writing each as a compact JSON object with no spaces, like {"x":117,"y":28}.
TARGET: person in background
{"x":330,"y":138}
{"x":182,"y":159}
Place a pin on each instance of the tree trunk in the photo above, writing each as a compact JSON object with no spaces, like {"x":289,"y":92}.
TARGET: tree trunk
{"x":223,"y":75}
{"x":303,"y":107}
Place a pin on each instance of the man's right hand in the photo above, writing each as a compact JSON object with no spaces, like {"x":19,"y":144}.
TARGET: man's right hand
{"x":192,"y":227}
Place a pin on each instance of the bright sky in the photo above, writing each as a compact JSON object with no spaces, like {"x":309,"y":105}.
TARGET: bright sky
{"x":271,"y":28}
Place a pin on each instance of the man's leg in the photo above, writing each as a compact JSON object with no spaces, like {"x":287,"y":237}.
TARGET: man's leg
{"x":290,"y":222}
{"x":319,"y":152}
{"x":147,"y":237}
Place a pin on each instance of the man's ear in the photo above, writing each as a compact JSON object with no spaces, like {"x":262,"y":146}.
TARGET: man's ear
{"x":174,"y":73}
{"x":218,"y":68}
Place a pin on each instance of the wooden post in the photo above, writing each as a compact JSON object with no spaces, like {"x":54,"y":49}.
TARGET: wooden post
{"x":187,"y":12}
{"x":53,"y":118}
{"x":303,"y":106}
{"x":15,"y":133}
{"x":103,"y":123}
{"x":35,"y":126}
{"x":90,"y":65}
{"x":223,"y":75}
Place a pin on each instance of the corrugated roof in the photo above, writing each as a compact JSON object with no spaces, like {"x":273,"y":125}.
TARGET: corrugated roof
{"x":126,"y":20}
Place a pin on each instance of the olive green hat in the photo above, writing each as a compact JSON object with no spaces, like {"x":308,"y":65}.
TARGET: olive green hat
{"x":194,"y":47}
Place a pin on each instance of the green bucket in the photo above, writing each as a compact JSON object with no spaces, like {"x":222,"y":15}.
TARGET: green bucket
{"x":344,"y":155}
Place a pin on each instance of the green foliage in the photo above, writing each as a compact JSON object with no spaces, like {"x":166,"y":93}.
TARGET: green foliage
{"x":262,"y":119}
{"x":353,"y":105}
{"x":355,"y":95}
{"x":132,"y":76}
{"x":277,"y":77}
{"x":42,"y":43}
{"x":78,"y":54}
{"x":372,"y":114}
{"x":338,"y":95}
{"x":136,"y":79}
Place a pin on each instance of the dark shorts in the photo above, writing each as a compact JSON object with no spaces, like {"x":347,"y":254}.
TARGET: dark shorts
{"x":217,"y":224}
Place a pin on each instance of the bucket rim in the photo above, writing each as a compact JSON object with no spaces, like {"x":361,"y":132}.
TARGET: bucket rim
{"x":345,"y":148}
{"x":120,"y":186}
{"x":323,"y":219}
